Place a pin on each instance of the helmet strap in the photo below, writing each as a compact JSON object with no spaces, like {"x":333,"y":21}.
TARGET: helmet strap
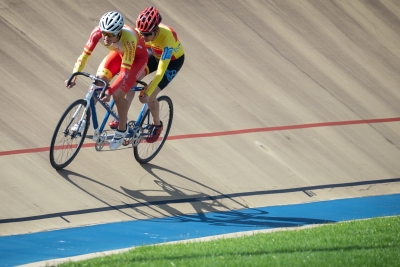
{"x":157,"y":31}
{"x":119,"y":36}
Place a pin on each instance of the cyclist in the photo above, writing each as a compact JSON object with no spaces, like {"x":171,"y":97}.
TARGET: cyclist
{"x":127,"y":56}
{"x":165,"y":56}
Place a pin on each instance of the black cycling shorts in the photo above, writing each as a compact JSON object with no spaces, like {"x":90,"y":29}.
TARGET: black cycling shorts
{"x":173,"y":68}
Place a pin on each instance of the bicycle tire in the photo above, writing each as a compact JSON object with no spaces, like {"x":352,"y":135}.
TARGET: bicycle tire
{"x":65,"y":145}
{"x":144,"y":152}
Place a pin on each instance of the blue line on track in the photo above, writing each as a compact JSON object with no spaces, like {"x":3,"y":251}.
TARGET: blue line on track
{"x":28,"y":248}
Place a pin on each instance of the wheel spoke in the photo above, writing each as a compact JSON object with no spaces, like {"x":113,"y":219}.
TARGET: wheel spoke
{"x":144,"y":152}
{"x":66,"y":143}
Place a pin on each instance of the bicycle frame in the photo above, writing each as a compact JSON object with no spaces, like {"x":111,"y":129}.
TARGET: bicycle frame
{"x":110,"y":111}
{"x":107,"y":107}
{"x":71,"y":129}
{"x":92,"y":95}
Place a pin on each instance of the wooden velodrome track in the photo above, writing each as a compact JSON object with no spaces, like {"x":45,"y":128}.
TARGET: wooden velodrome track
{"x":293,"y":101}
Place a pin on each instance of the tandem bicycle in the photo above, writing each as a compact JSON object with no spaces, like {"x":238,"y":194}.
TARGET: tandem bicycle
{"x":72,"y":128}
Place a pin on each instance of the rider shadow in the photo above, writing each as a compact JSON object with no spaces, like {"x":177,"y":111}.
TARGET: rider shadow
{"x":207,"y":208}
{"x":66,"y":175}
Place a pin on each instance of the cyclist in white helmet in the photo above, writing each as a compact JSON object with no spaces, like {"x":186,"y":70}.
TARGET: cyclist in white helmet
{"x":127,"y":56}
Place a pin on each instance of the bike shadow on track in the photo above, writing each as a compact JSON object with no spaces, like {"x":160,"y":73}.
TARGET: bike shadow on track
{"x":213,"y":207}
{"x":209,"y":209}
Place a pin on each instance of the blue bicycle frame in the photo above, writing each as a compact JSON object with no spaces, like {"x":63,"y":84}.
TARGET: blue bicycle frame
{"x":69,"y":134}
{"x":110,"y":111}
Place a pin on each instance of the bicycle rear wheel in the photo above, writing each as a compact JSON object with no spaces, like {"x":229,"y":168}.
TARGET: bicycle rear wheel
{"x":144,"y":152}
{"x":66,"y":143}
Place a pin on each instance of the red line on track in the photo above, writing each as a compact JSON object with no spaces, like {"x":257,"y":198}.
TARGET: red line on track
{"x":243,"y":131}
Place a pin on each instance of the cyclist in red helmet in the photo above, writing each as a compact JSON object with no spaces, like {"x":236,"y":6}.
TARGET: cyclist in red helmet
{"x":127,"y":56}
{"x":165,"y":57}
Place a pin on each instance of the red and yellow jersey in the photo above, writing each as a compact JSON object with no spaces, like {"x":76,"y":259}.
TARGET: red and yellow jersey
{"x":165,"y":47}
{"x":126,"y":47}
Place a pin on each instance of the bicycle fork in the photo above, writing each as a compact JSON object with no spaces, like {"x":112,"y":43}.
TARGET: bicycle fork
{"x":88,"y":104}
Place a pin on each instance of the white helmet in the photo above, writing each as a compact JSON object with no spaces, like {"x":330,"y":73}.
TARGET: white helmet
{"x":111,"y":22}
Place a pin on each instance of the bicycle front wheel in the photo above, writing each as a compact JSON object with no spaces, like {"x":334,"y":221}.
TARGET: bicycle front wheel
{"x":144,"y":152}
{"x":66,"y":142}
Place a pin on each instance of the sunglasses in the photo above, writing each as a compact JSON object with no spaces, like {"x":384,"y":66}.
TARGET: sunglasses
{"x":146,"y":34}
{"x":108,"y":34}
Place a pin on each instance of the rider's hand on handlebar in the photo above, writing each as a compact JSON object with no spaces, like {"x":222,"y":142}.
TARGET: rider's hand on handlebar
{"x":106,"y":97}
{"x":72,"y":84}
{"x":143,"y":97}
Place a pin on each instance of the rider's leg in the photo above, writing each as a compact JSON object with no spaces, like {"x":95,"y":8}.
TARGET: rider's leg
{"x":130,"y":95}
{"x":122,"y":108}
{"x":109,"y":67}
{"x":154,"y":106}
{"x":99,"y":84}
{"x":173,"y":69}
{"x":129,"y":98}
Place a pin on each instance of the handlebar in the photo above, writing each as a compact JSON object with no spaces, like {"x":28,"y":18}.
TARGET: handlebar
{"x":142,"y":83}
{"x":97,"y":79}
{"x":91,"y":76}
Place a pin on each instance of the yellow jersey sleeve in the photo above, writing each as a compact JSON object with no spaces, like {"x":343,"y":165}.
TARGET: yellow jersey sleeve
{"x":128,"y":41}
{"x":94,"y":38}
{"x":165,"y":47}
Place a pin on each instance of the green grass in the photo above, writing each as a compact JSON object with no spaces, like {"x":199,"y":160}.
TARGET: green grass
{"x":373,"y":242}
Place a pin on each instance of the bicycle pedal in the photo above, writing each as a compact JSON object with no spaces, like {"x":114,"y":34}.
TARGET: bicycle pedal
{"x":129,"y":134}
{"x":109,"y":137}
{"x":127,"y":142}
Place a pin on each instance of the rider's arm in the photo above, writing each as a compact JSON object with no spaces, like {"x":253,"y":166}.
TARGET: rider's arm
{"x":129,"y":45}
{"x":165,"y":58}
{"x":88,"y":49}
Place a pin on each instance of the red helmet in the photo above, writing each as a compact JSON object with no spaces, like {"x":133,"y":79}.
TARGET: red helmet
{"x":148,"y":20}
